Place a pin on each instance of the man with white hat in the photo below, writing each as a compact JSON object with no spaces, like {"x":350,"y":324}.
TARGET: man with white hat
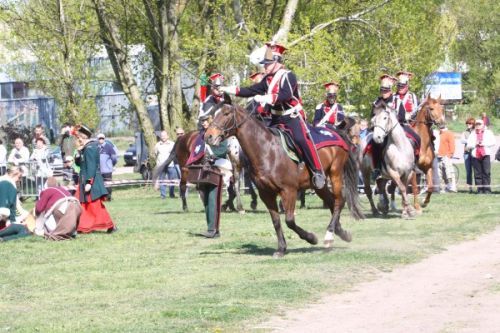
{"x":329,"y":113}
{"x":405,"y":101}
{"x":279,"y":89}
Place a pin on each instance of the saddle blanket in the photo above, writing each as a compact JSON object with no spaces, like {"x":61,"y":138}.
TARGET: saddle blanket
{"x":198,"y":150}
{"x":324,"y":137}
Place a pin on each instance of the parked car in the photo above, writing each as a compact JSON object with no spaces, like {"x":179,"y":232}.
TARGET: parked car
{"x":130,"y":155}
{"x":56,"y":161}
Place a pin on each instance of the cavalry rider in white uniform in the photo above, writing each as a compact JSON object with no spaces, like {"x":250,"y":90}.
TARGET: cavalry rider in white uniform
{"x":406,"y":105}
{"x":329,"y":113}
{"x":406,"y":102}
{"x":279,"y":89}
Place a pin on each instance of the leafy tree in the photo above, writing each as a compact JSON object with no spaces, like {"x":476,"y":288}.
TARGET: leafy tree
{"x":61,"y":37}
{"x":475,"y":48}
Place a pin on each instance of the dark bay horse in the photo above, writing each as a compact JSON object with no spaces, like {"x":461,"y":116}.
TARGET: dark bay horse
{"x":430,"y":113}
{"x":275,"y":174}
{"x":183,"y":147}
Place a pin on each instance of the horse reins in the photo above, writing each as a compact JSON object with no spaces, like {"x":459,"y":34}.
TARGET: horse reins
{"x":235,"y":122}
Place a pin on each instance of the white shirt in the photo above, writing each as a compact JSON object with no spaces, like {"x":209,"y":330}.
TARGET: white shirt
{"x":488,"y":142}
{"x":162,"y":151}
{"x":3,"y":156}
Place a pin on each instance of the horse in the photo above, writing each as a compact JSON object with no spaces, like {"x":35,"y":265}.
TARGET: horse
{"x":274,"y":173}
{"x":182,"y":149}
{"x":398,"y":156}
{"x":429,"y":113}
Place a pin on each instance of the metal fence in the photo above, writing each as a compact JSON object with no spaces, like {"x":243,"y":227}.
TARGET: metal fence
{"x":33,"y":180}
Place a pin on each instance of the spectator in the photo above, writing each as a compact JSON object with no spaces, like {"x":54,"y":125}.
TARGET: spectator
{"x":19,"y":155}
{"x":66,"y":141}
{"x":469,"y":123}
{"x":108,"y":159}
{"x":3,"y":159}
{"x":70,"y":175}
{"x":40,"y":133}
{"x":91,"y":191}
{"x":481,"y":142}
{"x":486,"y":120}
{"x":9,"y":229}
{"x":41,"y":166}
{"x":57,"y":212}
{"x":445,"y":155}
{"x":363,"y":129}
{"x":162,"y":151}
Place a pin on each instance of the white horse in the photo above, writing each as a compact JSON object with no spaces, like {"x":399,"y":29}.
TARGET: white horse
{"x":398,"y":155}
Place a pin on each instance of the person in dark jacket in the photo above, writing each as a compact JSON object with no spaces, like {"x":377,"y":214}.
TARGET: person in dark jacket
{"x":91,"y":191}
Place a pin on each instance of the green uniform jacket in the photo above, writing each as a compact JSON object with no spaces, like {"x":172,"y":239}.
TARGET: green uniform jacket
{"x":8,"y":198}
{"x":90,"y":172}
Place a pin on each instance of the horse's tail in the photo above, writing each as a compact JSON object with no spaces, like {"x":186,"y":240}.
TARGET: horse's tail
{"x":351,"y":179}
{"x":159,"y":169}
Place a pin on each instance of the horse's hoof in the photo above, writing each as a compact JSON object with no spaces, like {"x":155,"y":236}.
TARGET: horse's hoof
{"x":241,"y":211}
{"x":278,"y":255}
{"x":253,"y":205}
{"x":312,"y":239}
{"x":223,"y":207}
{"x":328,"y":243}
{"x":345,"y":236}
{"x":418,"y":212}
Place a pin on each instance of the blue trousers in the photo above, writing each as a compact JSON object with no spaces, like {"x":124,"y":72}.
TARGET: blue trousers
{"x":170,"y":174}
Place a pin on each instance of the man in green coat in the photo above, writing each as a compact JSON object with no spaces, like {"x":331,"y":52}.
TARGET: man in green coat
{"x":212,"y":194}
{"x":91,"y":191}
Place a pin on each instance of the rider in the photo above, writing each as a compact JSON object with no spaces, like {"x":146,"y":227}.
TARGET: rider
{"x":216,"y":95}
{"x":386,"y":83}
{"x":329,"y":113}
{"x":264,"y":110}
{"x":405,"y":101}
{"x":406,"y":105}
{"x":279,"y":89}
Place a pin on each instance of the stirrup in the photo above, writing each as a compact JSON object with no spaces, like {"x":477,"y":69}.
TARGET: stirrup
{"x":318,"y":180}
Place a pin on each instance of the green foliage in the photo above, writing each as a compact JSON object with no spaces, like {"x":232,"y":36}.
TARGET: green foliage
{"x":61,"y":41}
{"x":478,"y":46}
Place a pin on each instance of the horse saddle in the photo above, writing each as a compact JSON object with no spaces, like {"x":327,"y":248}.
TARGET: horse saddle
{"x":287,"y":142}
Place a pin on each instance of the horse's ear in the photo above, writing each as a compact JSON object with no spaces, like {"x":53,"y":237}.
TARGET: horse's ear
{"x":227,"y":99}
{"x":347,"y":123}
{"x":439,"y":99}
{"x":342,"y":125}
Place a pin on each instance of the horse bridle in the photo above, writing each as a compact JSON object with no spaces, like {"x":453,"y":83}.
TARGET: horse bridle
{"x":235,"y":122}
{"x":386,"y":132}
{"x":428,"y":116}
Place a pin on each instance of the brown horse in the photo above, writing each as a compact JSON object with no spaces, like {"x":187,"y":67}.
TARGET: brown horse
{"x":182,"y":150}
{"x":430,"y":113}
{"x":275,"y":174}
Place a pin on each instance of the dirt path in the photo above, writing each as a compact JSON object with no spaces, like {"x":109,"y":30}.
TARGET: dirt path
{"x":454,"y":291}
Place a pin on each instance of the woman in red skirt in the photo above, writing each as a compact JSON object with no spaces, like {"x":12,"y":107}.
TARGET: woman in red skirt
{"x":91,"y":191}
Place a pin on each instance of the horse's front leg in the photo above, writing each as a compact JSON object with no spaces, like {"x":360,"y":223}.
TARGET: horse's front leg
{"x":383,"y":204}
{"x":288,"y":198}
{"x":237,"y":184}
{"x":269,"y":200}
{"x":183,"y":189}
{"x":401,"y":183}
{"x":366,"y":173}
{"x":430,"y":186}
{"x":416,"y":191}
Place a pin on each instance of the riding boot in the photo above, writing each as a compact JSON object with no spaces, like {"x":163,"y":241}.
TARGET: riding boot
{"x":318,"y":180}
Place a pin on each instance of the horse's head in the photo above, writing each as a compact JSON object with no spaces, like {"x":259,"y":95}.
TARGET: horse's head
{"x":223,"y":125}
{"x":352,"y":128}
{"x":383,"y":123}
{"x":432,"y":111}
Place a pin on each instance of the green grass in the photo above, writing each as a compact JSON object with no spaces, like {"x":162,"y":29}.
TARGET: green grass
{"x":156,"y":275}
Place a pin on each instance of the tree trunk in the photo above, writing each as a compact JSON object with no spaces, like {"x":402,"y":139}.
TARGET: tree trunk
{"x":286,"y":22}
{"x":71,"y":102}
{"x":121,"y":66}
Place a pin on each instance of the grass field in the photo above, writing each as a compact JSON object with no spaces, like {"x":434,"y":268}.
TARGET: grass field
{"x":157,"y":275}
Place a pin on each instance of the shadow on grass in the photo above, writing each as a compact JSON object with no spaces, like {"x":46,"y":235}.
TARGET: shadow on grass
{"x":252,"y":249}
